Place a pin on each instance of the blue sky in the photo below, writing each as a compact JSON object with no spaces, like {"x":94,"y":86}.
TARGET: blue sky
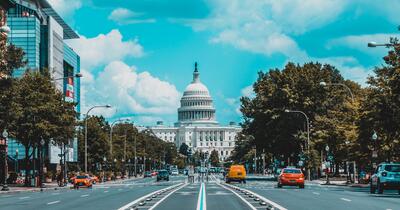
{"x":138,"y":55}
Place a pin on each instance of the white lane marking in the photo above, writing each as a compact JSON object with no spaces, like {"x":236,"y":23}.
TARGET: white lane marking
{"x":86,"y":195}
{"x":6,"y":196}
{"x":315,"y":193}
{"x":345,"y":199}
{"x":146,"y":196}
{"x":21,"y":198}
{"x":165,"y":197}
{"x":54,"y":202}
{"x":55,"y":193}
{"x":119,"y":189}
{"x":266,"y":200}
{"x":201,"y":200}
{"x":106,"y":191}
{"x":388,"y":209}
{"x":244,"y":200}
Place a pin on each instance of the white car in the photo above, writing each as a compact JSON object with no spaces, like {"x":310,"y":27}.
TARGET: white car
{"x":174,"y":172}
{"x":387,"y":176}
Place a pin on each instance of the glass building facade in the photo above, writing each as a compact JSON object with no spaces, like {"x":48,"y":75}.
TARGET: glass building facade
{"x":40,"y":32}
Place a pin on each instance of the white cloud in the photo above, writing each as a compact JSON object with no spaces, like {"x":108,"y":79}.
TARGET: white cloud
{"x":65,"y":7}
{"x":130,"y":92}
{"x":266,"y":26}
{"x":349,"y":67}
{"x":124,"y":16}
{"x":105,"y":48}
{"x":248,"y":91}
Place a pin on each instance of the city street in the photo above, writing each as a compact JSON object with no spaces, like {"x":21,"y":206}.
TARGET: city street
{"x":208,"y":195}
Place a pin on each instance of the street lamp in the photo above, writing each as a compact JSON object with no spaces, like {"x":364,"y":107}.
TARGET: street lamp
{"x":339,"y":84}
{"x":87,"y":114}
{"x":308,"y":136}
{"x":111,"y":131}
{"x":5,"y":135}
{"x":374,"y":44}
{"x":77,"y":75}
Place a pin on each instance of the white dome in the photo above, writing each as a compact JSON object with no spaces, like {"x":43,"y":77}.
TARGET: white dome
{"x":196,"y":104}
{"x":198,"y":88}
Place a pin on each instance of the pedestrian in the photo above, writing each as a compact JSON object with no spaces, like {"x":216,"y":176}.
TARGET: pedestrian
{"x":59,"y":179}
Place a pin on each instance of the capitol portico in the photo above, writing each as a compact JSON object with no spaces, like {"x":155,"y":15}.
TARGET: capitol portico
{"x":197,"y":125}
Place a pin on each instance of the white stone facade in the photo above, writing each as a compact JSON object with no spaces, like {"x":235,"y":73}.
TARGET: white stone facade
{"x":197,"y":125}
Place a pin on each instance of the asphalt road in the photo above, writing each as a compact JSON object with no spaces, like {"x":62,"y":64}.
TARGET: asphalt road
{"x":177,"y":194}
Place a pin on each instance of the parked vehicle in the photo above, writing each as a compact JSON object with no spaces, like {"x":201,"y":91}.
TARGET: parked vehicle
{"x":147,"y":174}
{"x":83,"y":181}
{"x":174,"y":172}
{"x":386,"y":177}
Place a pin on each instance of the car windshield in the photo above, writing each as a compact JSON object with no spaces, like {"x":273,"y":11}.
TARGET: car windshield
{"x":392,"y":168}
{"x":292,"y":171}
{"x":163,"y":172}
{"x":81,"y":177}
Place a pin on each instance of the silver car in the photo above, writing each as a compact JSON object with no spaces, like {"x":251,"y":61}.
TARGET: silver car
{"x":386,"y":177}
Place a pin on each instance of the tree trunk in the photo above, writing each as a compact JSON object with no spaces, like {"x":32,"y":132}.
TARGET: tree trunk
{"x":27,"y":166}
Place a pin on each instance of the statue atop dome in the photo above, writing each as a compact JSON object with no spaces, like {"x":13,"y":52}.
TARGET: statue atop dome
{"x":196,"y":74}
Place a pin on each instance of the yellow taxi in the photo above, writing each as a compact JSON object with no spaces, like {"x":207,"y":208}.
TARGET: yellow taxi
{"x":236,"y":173}
{"x":83,"y":181}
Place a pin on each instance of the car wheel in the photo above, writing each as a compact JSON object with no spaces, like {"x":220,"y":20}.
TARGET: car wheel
{"x":228,"y":181}
{"x":279,"y":185}
{"x":301,"y":186}
{"x":380,"y":188}
{"x":399,"y":192}
{"x":371,"y":188}
{"x":244,"y":181}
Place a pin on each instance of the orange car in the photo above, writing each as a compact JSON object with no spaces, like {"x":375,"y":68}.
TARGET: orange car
{"x":291,"y":177}
{"x":95,"y":179}
{"x":83,"y":181}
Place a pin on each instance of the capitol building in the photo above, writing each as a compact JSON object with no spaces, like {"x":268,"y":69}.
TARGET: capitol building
{"x":197,"y":125}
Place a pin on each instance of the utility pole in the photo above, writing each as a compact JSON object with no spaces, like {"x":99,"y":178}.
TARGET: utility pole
{"x":135,"y":161}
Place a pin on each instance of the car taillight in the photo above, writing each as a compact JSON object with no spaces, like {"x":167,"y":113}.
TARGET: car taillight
{"x":384,"y":174}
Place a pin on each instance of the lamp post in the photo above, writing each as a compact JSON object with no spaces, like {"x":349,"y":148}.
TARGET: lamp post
{"x":41,"y":163}
{"x":374,"y":44}
{"x":375,"y":151}
{"x":4,"y":150}
{"x":352,"y":100}
{"x":308,"y":138}
{"x":87,"y":114}
{"x":16,"y":161}
{"x":339,"y":84}
{"x":104,"y":167}
{"x":111,"y":131}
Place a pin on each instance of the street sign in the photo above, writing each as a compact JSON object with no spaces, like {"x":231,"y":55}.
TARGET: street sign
{"x":327,"y":148}
{"x":330,"y":157}
{"x":374,"y":154}
{"x":301,"y":163}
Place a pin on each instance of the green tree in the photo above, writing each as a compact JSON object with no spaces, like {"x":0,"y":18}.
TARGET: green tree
{"x":214,"y":158}
{"x":37,"y":108}
{"x":381,"y":110}
{"x":183,"y":149}
{"x":97,"y":142}
{"x":283,"y":135}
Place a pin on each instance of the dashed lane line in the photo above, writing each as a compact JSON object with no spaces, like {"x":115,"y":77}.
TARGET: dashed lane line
{"x":127,"y":206}
{"x":244,"y":200}
{"x":106,"y":191}
{"x":54,"y":202}
{"x":316,"y":193}
{"x":22,"y":198}
{"x":165,"y":197}
{"x":86,"y":195}
{"x":345,"y":199}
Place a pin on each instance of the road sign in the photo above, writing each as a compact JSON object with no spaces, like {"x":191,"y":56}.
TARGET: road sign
{"x":330,"y":157}
{"x":327,"y":148}
{"x":374,"y":154}
{"x":301,"y":163}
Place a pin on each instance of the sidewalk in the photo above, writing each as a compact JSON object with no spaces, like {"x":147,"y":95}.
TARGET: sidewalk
{"x":339,"y":183}
{"x":54,"y":186}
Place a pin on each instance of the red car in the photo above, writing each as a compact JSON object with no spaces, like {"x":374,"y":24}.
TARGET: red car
{"x":154,"y":173}
{"x":291,"y":177}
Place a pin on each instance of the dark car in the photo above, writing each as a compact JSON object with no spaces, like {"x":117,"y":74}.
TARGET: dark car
{"x":147,"y":174}
{"x":163,"y":175}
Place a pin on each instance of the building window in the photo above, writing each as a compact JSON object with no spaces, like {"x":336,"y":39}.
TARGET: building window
{"x":222,"y":152}
{"x":230,"y":144}
{"x":221,"y":144}
{"x":201,"y":144}
{"x":226,"y":152}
